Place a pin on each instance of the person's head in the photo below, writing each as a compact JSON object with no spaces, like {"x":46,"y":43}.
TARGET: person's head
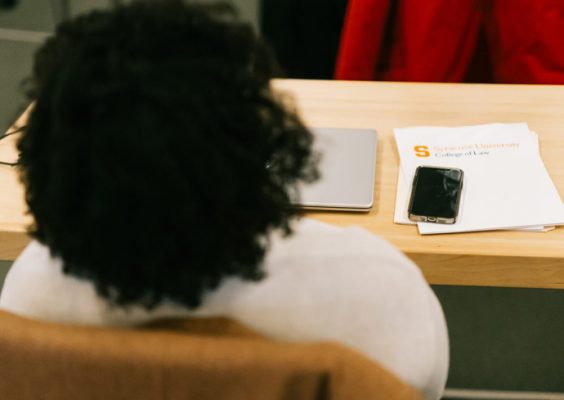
{"x":156,"y":159}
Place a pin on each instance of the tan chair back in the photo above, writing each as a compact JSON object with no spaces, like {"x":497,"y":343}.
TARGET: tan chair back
{"x":200,"y":359}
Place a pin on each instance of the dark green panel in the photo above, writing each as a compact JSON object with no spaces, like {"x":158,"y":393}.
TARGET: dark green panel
{"x":16,"y":59}
{"x":505,"y":338}
{"x":32,"y":15}
{"x":4,"y":267}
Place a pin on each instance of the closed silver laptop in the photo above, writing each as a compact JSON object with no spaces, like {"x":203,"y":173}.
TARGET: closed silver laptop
{"x":347,"y":168}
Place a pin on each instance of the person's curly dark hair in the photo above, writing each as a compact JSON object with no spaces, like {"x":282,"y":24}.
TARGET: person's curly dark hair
{"x":156,"y":159}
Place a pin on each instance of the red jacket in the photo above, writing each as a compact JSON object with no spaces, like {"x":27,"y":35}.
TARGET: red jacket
{"x":508,"y":41}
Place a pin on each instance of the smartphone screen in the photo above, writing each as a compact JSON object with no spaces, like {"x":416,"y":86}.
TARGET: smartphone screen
{"x":435,"y":195}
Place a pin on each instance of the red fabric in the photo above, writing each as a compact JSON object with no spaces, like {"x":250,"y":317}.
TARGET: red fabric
{"x":433,"y":42}
{"x":439,"y":40}
{"x":526,"y":38}
{"x":361,"y":39}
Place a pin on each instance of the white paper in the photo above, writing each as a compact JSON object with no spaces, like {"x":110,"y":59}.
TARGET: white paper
{"x":506,"y":185}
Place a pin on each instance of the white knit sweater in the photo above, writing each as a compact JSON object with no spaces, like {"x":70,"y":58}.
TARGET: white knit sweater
{"x":323,"y":283}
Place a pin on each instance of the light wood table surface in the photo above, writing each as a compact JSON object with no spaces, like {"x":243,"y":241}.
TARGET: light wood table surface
{"x":13,"y":218}
{"x":502,"y":258}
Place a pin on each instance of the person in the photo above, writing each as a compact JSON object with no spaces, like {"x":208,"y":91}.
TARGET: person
{"x":159,"y":166}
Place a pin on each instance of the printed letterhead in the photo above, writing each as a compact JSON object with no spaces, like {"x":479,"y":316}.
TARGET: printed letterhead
{"x":506,"y":185}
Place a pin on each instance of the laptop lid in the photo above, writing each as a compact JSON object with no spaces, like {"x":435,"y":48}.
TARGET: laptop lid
{"x":347,"y":169}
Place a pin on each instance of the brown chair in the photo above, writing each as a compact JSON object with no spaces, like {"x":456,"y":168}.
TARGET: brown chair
{"x":197,"y":359}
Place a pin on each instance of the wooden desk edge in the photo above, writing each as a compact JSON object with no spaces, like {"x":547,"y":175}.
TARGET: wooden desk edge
{"x":438,"y":269}
{"x":500,"y":271}
{"x":12,"y":244}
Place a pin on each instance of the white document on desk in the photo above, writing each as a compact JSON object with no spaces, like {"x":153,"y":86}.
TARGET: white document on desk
{"x":506,"y":185}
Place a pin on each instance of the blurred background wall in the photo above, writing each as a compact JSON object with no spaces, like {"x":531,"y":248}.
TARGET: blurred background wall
{"x":25,"y":26}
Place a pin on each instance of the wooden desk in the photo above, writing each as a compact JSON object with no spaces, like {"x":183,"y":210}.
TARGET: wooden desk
{"x":517,"y":259}
{"x":13,"y":218}
{"x":506,"y":258}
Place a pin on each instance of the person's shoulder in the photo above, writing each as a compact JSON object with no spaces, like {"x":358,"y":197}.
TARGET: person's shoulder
{"x":323,"y":267}
{"x":315,"y":244}
{"x":312,"y":233}
{"x":376,"y":292}
{"x":36,"y":287}
{"x":349,"y":286}
{"x":30,"y":273}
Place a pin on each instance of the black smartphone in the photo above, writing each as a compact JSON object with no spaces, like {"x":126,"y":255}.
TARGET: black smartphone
{"x":435,"y":195}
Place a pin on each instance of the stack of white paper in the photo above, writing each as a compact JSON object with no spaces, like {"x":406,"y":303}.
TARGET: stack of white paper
{"x":506,"y":185}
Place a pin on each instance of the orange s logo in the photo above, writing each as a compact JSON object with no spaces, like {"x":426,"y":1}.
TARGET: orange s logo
{"x":421,"y":151}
